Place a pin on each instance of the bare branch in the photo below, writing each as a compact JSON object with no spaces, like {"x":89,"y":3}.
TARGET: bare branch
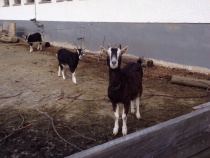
{"x":74,"y":98}
{"x":77,"y":133}
{"x":52,"y":123}
{"x":61,"y":95}
{"x":5,"y":97}
{"x":16,"y":130}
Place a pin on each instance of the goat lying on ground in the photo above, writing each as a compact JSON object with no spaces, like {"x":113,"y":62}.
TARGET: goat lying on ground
{"x":70,"y":59}
{"x":34,"y":38}
{"x":125,"y":85}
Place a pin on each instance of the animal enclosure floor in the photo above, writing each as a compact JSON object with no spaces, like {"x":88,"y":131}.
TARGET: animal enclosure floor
{"x":42,"y":115}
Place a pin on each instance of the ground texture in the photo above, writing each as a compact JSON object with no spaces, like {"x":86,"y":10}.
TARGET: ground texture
{"x":42,"y":115}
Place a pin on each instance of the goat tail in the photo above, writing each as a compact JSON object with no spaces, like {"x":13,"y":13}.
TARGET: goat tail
{"x":140,"y":61}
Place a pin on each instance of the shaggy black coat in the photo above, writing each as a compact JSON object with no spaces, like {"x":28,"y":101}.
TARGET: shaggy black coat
{"x":125,"y":84}
{"x":66,"y":57}
{"x":36,"y":37}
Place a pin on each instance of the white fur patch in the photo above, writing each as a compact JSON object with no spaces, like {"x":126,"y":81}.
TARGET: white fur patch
{"x":137,"y":102}
{"x":113,"y":59}
{"x":63,"y":74}
{"x":124,"y":126}
{"x":132,"y":107}
{"x":74,"y":78}
{"x":31,"y":49}
{"x":116,"y":123}
{"x":40,"y":46}
{"x":59,"y":71}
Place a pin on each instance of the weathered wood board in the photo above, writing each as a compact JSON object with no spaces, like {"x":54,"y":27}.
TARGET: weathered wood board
{"x":201,"y":106}
{"x":180,"y":137}
{"x":190,"y":81}
{"x":8,"y":39}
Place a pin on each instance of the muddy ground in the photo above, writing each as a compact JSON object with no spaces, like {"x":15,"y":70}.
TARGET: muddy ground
{"x":42,"y":115}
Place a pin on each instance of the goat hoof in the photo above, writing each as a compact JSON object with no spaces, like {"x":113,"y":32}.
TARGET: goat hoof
{"x":115,"y":130}
{"x":138,"y":116}
{"x":124,"y":131}
{"x":74,"y":80}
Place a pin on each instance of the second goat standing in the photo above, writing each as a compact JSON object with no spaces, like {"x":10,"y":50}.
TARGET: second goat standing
{"x":69,"y":59}
{"x":34,"y":38}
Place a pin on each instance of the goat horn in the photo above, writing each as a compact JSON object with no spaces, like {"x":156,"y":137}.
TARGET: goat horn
{"x":109,"y":45}
{"x":76,"y":45}
{"x":119,"y":46}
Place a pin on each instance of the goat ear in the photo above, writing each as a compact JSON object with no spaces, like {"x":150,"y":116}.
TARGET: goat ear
{"x":123,"y":51}
{"x":103,"y":50}
{"x":119,"y":46}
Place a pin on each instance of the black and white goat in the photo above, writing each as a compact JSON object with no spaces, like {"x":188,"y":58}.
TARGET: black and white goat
{"x":34,"y":38}
{"x":69,"y":59}
{"x":125,"y":85}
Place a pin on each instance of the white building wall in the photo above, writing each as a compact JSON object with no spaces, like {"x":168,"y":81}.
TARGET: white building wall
{"x":131,"y":11}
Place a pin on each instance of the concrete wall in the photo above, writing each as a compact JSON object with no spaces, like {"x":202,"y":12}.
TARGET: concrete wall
{"x":167,"y":30}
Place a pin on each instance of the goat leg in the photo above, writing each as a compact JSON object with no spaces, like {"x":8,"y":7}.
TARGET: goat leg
{"x":132,"y":107}
{"x":74,"y":78}
{"x":124,"y":118}
{"x":137,"y":102}
{"x":116,"y":114}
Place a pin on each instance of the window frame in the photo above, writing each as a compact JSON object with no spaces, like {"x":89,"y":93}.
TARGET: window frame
{"x":6,"y":5}
{"x":45,"y":1}
{"x":28,"y":2}
{"x":63,"y":0}
{"x":16,"y":3}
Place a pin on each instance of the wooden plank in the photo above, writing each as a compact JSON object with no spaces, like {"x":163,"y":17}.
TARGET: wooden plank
{"x":201,"y":106}
{"x":12,"y":29}
{"x":203,"y":154}
{"x":190,"y":81}
{"x":8,"y":39}
{"x":181,"y":137}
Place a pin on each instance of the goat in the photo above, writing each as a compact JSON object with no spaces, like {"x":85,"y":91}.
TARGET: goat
{"x":125,"y":85}
{"x":32,"y":38}
{"x":70,"y":59}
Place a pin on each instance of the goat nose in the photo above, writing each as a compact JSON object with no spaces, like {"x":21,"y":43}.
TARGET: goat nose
{"x":114,"y":62}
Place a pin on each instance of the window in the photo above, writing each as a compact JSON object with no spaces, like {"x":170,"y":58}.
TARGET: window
{"x":45,"y":0}
{"x":30,"y":1}
{"x":6,"y":2}
{"x":17,"y":2}
{"x":62,"y":0}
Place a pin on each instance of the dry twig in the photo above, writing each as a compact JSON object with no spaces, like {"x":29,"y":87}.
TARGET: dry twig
{"x":103,"y":99}
{"x":61,"y":96}
{"x":77,"y":132}
{"x":74,"y":98}
{"x":5,"y":97}
{"x":52,"y":123}
{"x":20,"y":127}
{"x":43,"y":98}
{"x":16,"y":130}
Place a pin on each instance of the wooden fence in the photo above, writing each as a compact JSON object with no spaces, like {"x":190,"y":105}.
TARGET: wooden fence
{"x":180,"y":137}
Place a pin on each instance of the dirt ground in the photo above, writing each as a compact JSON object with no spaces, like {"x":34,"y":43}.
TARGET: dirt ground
{"x":42,"y":115}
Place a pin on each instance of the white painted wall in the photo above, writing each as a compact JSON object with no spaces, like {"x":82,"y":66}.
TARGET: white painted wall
{"x":132,"y":11}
